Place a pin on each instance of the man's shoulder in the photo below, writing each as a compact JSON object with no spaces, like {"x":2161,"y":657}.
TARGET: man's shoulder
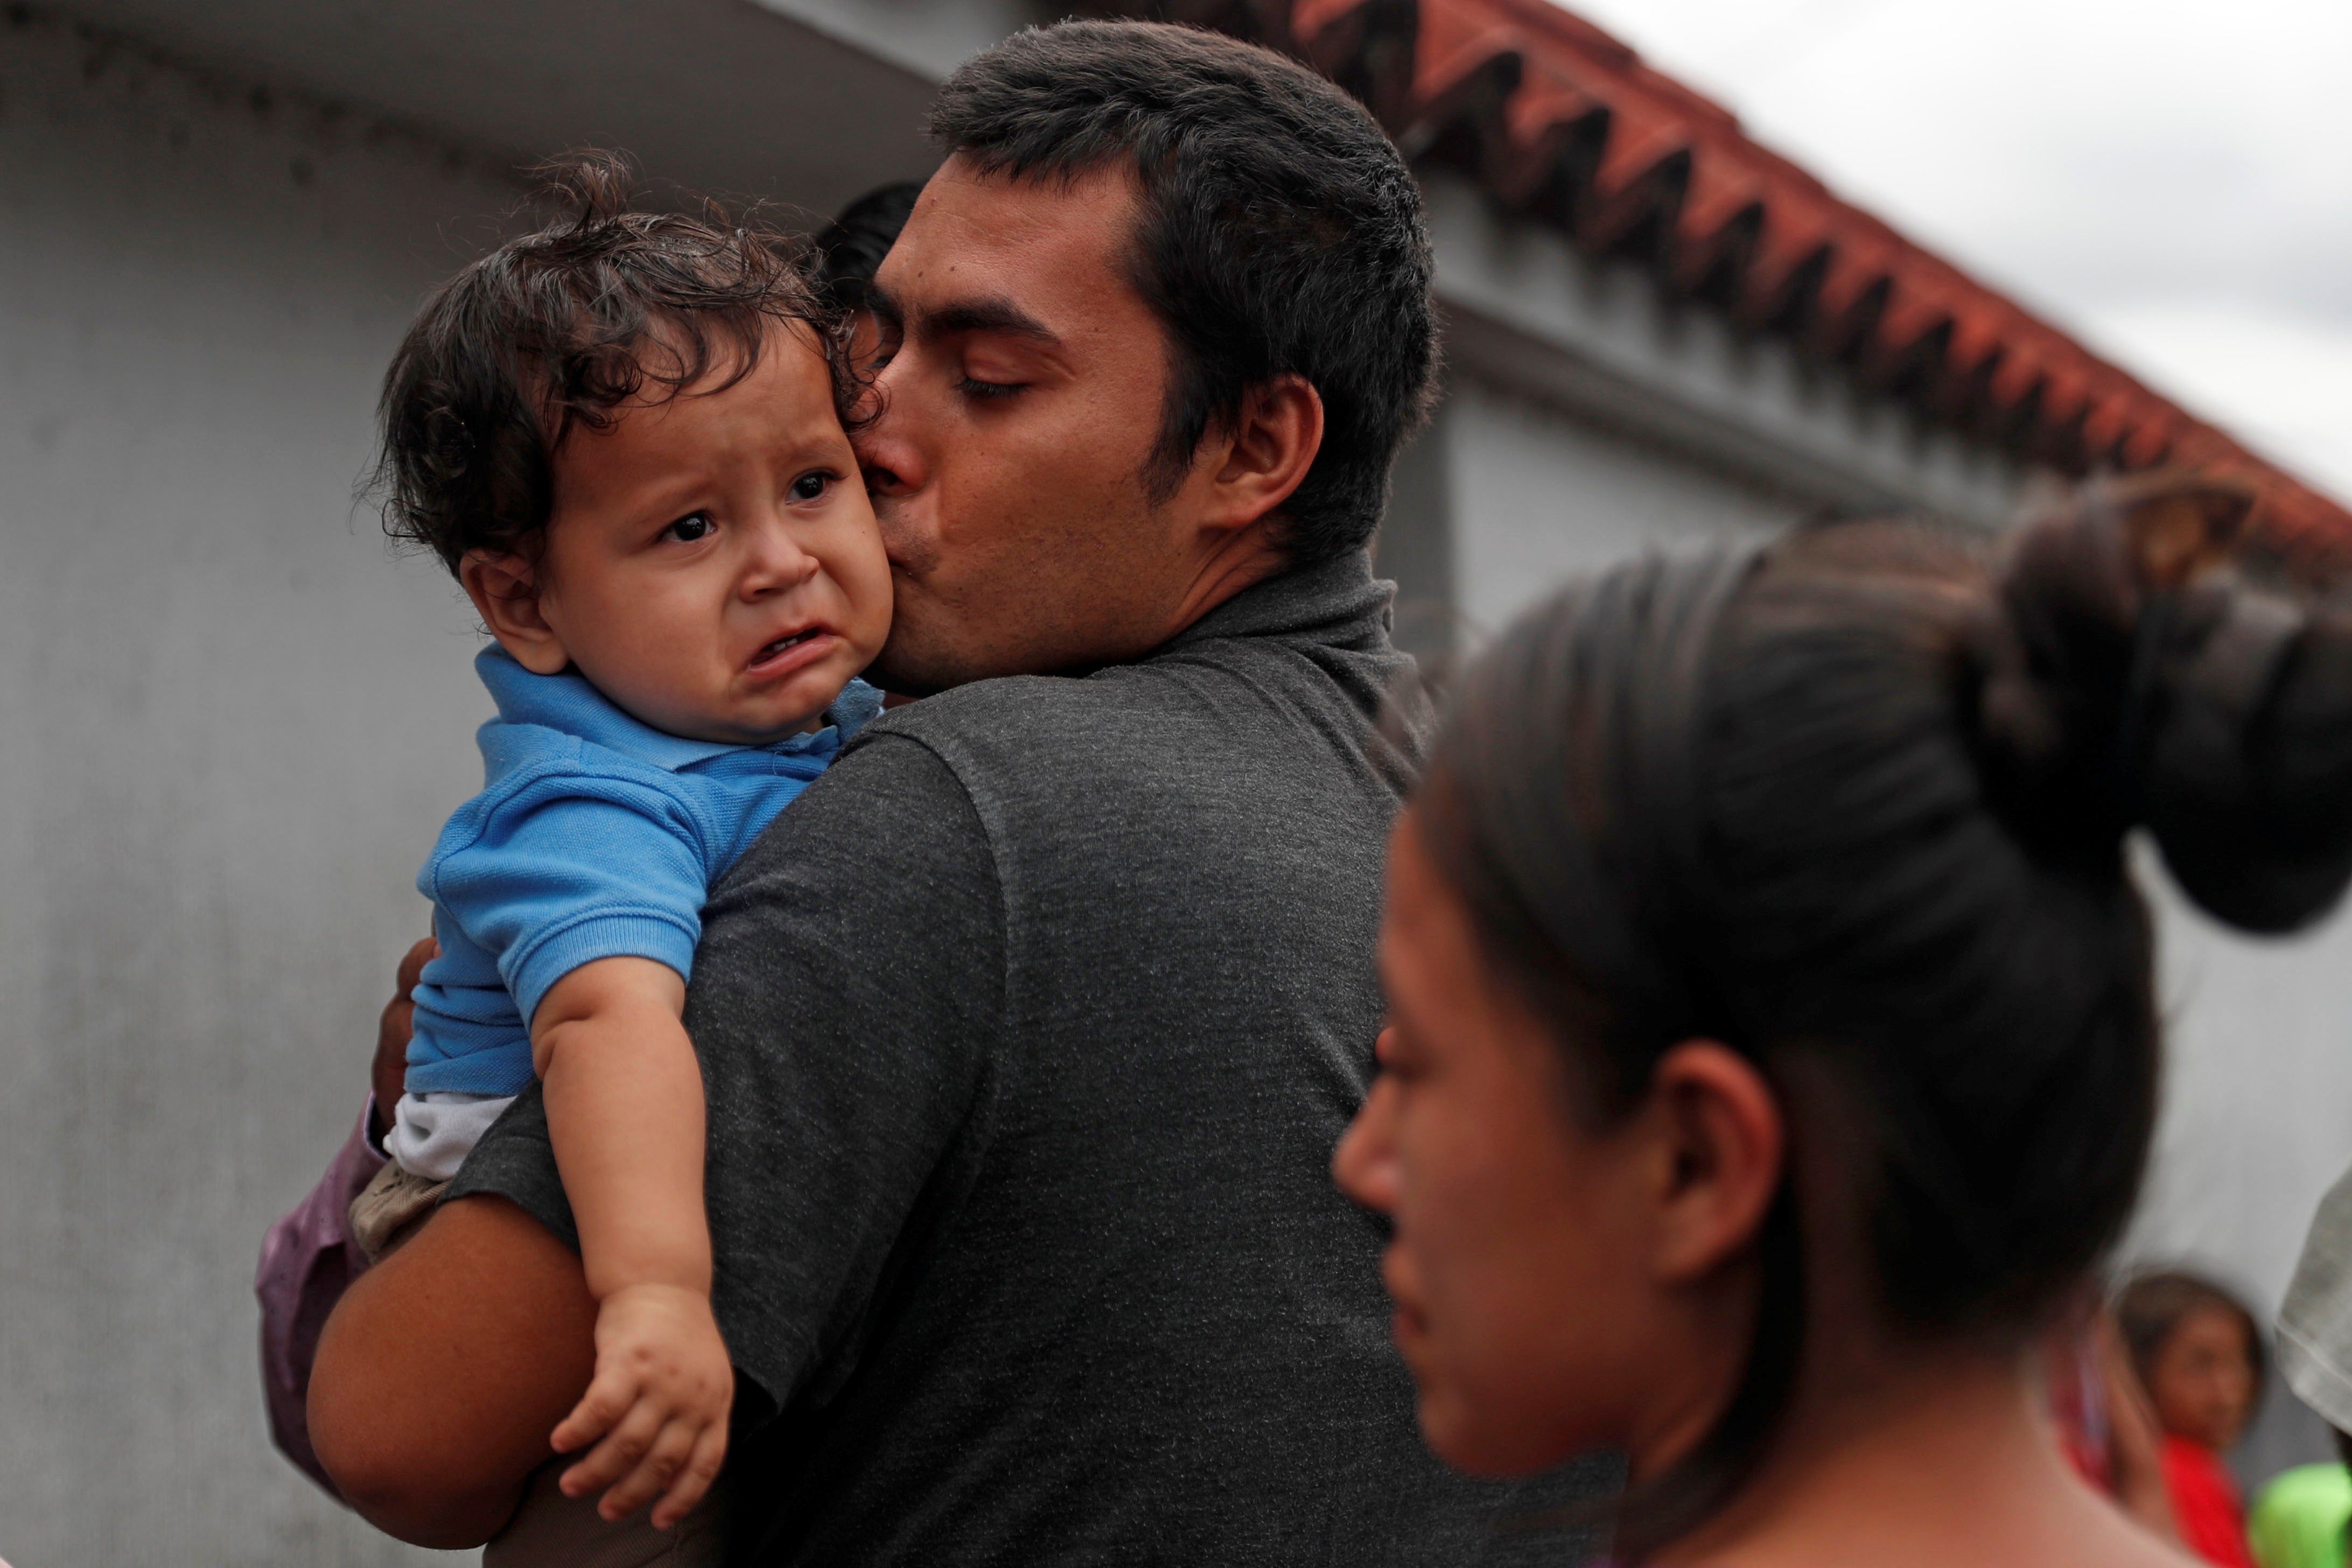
{"x":1007,"y":703}
{"x":888,"y":819}
{"x":1057,"y":722}
{"x":1012,"y":728}
{"x":926,"y":801}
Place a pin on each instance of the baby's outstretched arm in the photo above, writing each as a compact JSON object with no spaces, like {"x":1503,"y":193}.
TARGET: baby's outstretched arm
{"x":625,"y":1111}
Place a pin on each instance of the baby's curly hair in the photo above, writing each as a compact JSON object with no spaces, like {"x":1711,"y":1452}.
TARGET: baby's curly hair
{"x":561,"y":328}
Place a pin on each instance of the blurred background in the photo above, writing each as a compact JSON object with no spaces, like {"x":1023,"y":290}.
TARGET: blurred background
{"x":1945,"y":254}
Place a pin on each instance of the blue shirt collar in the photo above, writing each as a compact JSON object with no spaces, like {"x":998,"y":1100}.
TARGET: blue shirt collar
{"x":568,"y":703}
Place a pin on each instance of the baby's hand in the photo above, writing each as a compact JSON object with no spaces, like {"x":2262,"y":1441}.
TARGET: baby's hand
{"x":659,"y":1402}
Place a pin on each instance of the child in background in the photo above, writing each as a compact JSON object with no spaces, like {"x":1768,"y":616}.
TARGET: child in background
{"x":2199,"y":1356}
{"x":623,"y":436}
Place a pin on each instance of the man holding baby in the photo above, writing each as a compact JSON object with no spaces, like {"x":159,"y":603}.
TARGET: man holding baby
{"x":1026,"y":1034}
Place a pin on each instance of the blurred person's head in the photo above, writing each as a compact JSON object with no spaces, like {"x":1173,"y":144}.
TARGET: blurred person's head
{"x":2198,"y":1353}
{"x":1770,"y":995}
{"x":624,"y":435}
{"x":850,"y":250}
{"x":1154,"y":331}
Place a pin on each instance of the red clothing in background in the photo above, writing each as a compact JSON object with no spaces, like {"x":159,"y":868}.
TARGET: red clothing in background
{"x":2205,"y":1503}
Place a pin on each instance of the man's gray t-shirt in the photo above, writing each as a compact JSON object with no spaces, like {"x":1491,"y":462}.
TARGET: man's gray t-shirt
{"x":1027,"y":1034}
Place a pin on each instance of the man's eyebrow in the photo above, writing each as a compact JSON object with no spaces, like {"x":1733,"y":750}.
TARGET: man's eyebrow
{"x":993,"y":313}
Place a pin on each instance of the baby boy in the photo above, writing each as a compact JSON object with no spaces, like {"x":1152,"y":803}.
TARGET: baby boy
{"x":622,"y":435}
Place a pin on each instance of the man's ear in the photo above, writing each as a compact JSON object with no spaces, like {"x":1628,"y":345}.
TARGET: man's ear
{"x":1264,"y":455}
{"x":1722,"y":1143}
{"x":505,"y":591}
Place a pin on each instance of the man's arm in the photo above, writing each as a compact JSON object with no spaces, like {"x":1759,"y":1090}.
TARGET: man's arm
{"x":847,"y":994}
{"x":445,"y":1368}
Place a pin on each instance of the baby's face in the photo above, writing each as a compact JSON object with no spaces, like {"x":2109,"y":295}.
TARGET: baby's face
{"x":711,"y":564}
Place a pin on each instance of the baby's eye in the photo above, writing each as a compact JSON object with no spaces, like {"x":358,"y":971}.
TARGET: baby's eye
{"x":811,"y":485}
{"x":694,"y":525}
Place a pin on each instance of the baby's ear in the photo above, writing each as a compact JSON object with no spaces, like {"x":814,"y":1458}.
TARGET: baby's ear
{"x":504,"y":587}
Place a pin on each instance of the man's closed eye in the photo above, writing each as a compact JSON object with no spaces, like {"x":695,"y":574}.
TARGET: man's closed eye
{"x":971,"y":387}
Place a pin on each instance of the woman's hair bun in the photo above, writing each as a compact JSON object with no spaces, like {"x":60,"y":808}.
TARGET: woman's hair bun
{"x":2133,"y":670}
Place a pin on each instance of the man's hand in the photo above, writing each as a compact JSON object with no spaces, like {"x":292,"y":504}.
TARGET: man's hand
{"x":659,"y":1402}
{"x":392,"y":1032}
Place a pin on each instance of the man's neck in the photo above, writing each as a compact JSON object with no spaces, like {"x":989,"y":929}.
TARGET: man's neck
{"x":1238,"y":562}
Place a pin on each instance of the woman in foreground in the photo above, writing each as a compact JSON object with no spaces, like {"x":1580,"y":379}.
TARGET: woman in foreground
{"x":1774,"y":1046}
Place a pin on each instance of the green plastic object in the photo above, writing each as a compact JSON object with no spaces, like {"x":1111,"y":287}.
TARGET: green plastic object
{"x":2300,"y":1520}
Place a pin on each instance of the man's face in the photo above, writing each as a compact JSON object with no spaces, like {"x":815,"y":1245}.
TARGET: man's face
{"x":1022,"y":394}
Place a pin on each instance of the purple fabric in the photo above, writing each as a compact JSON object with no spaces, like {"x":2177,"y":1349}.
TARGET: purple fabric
{"x":307,"y":1263}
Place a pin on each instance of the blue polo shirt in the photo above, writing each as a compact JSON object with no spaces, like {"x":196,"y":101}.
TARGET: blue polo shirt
{"x":594,"y":836}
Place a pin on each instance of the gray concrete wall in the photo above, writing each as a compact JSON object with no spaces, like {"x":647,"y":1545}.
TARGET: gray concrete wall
{"x":1540,"y":495}
{"x":2256,"y":1122}
{"x":230,"y":724}
{"x":1600,"y":338}
{"x":723,"y":96}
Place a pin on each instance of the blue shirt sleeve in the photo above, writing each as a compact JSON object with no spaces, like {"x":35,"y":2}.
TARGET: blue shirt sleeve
{"x":563,"y":868}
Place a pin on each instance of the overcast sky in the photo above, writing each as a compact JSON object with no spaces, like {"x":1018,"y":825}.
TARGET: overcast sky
{"x":2171,"y":180}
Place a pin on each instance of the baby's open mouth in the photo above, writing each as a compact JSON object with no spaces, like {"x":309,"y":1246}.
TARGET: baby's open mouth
{"x":783,"y":645}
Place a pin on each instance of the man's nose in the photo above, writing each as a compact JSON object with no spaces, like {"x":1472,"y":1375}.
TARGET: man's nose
{"x":888,"y":456}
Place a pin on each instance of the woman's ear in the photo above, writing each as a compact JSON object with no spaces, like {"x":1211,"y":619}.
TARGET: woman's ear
{"x":506,"y":592}
{"x":1723,"y":1142}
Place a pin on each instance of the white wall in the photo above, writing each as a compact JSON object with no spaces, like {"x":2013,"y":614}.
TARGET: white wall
{"x":230,"y":724}
{"x":1538,"y":496}
{"x":2258,"y":1107}
{"x":1599,"y":337}
{"x":2256,"y":1122}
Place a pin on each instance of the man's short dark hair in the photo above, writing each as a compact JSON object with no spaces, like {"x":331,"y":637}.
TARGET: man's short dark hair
{"x":1280,"y":233}
{"x":557,"y":329}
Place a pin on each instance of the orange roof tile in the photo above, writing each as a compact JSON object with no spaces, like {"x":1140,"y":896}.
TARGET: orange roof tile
{"x":1559,"y":120}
